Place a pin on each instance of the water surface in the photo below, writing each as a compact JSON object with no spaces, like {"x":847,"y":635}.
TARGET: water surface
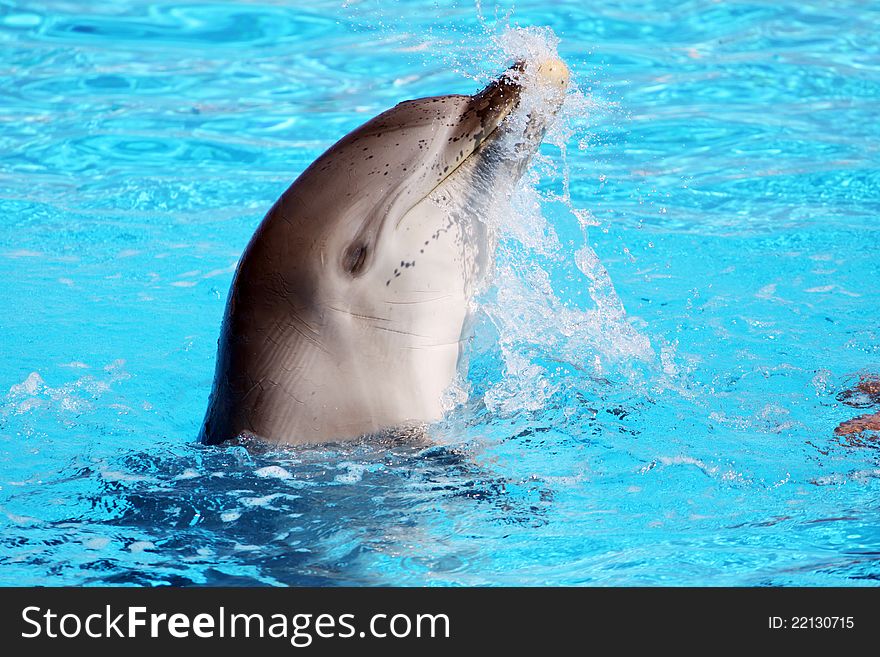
{"x":731,"y":163}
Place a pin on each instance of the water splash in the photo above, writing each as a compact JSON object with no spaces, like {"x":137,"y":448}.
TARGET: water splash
{"x":544,"y":336}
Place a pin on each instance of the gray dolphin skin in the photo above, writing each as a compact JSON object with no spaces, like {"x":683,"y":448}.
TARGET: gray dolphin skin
{"x":348,"y":311}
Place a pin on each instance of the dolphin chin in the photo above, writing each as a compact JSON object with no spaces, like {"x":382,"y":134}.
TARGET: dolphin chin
{"x":348,"y":311}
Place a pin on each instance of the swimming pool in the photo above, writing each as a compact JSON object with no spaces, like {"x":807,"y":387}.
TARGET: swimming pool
{"x":729,"y":160}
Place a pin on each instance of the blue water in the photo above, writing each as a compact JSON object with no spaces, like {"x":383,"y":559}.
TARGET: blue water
{"x":733,"y":167}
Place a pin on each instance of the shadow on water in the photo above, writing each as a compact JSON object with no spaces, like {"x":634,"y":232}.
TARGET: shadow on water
{"x":240,"y":515}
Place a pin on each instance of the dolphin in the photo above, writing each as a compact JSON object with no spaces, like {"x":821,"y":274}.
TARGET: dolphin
{"x":348,"y":312}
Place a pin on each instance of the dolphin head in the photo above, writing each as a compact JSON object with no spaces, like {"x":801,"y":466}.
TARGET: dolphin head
{"x":333,"y":214}
{"x":313,"y":291}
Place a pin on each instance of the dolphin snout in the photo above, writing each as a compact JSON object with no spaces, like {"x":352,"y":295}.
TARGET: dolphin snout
{"x":498,"y":99}
{"x":543,"y":81}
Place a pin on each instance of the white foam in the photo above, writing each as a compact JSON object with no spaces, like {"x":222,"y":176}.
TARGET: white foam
{"x":273,"y":472}
{"x":355,"y":472}
{"x":30,"y":386}
{"x":265,"y":500}
{"x":189,"y":473}
{"x":141,"y":546}
{"x":240,"y":547}
{"x":96,"y":543}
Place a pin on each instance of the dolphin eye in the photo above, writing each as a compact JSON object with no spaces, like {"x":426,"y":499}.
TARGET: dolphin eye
{"x":354,"y":258}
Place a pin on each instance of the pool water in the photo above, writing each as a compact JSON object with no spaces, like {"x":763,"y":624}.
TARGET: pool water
{"x":718,"y":179}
